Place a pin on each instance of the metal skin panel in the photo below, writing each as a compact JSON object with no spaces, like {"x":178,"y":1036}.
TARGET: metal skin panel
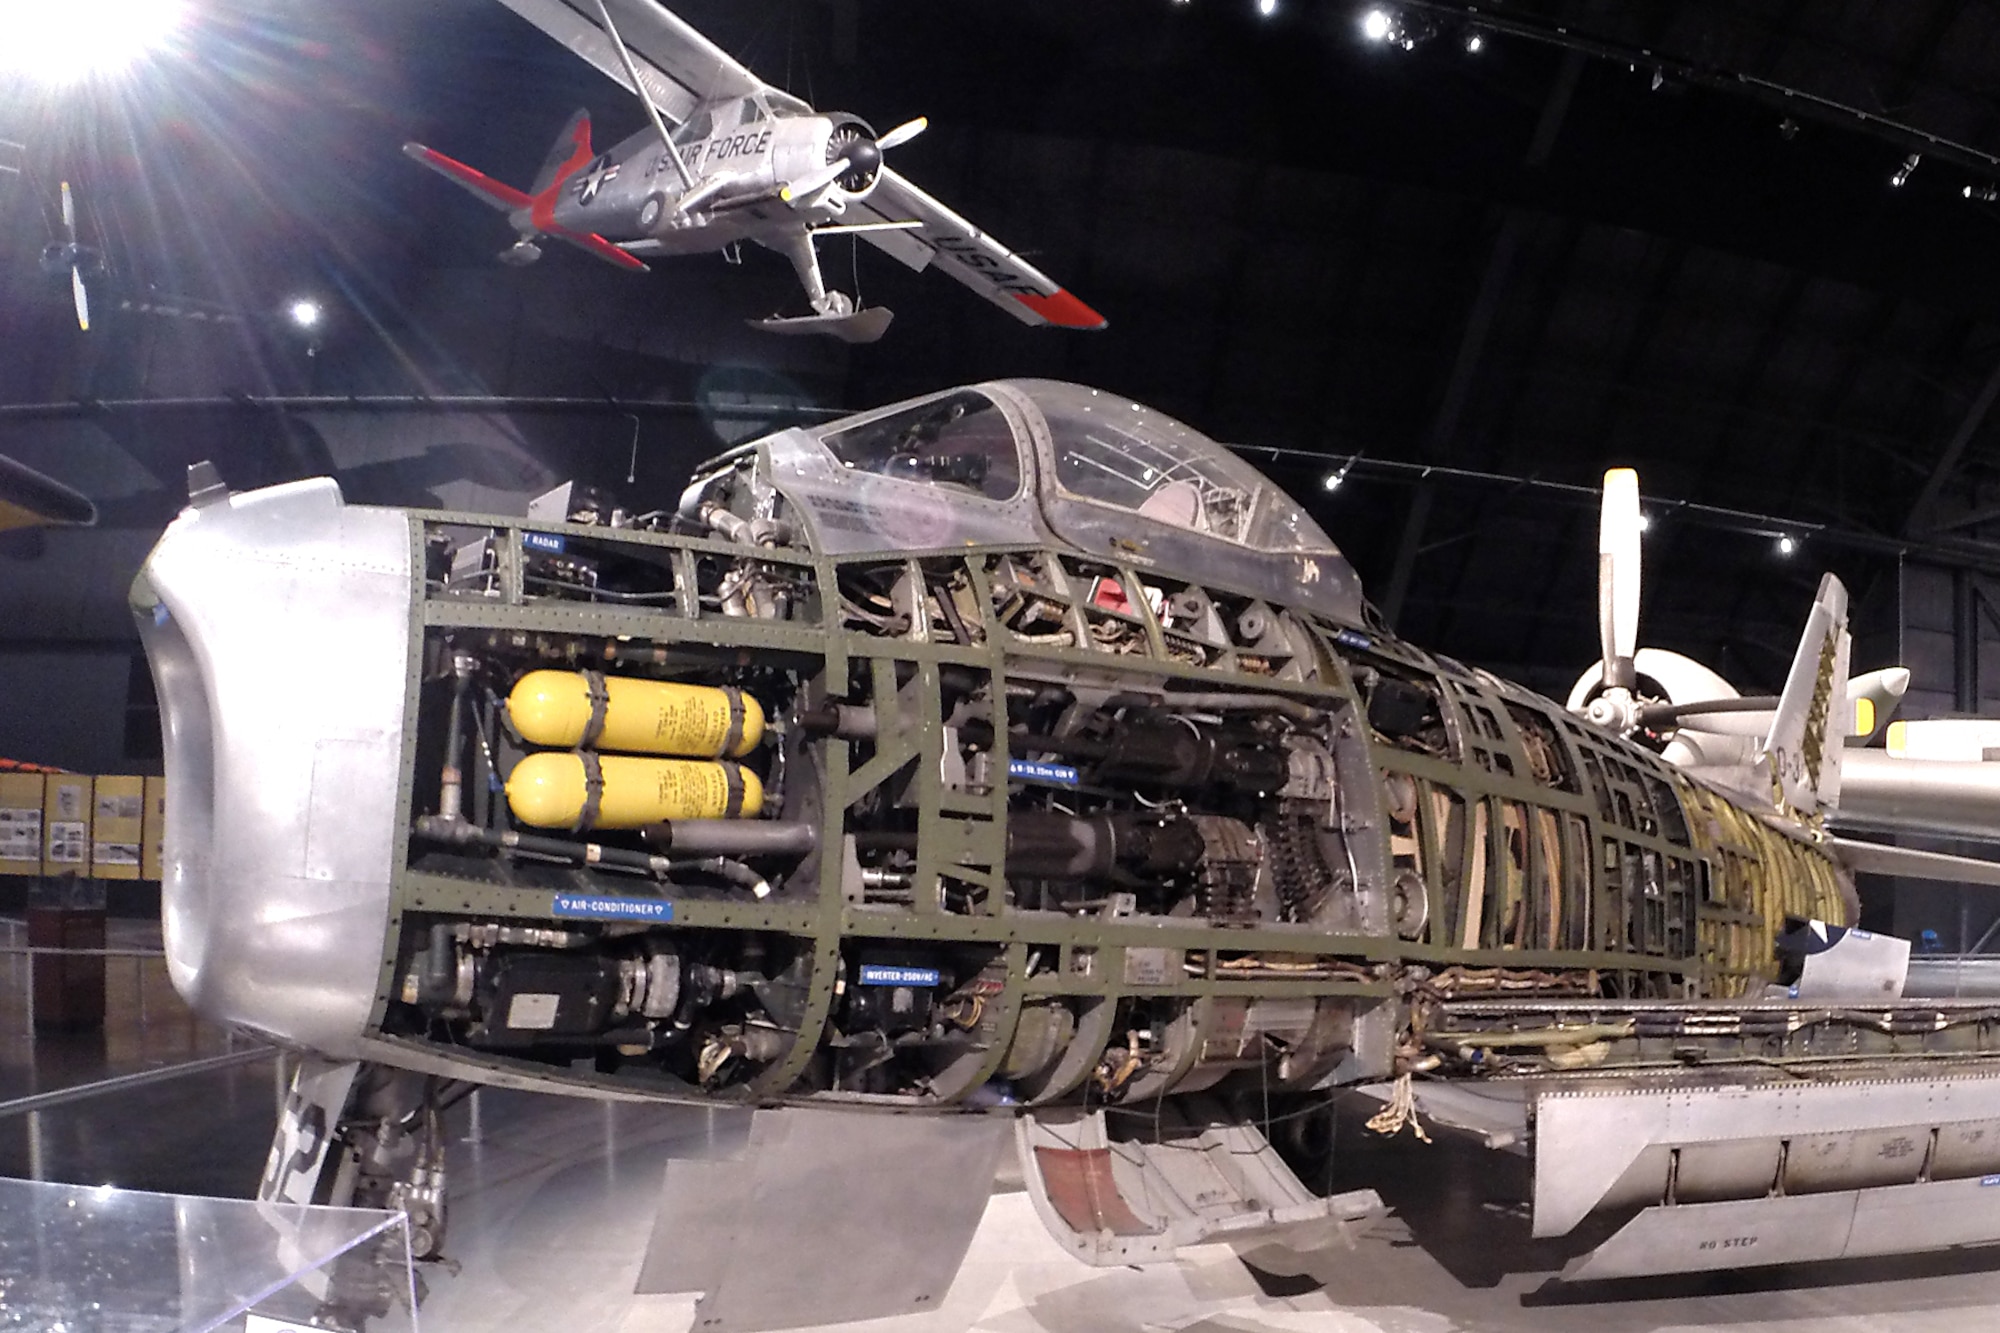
{"x":1970,"y":1148}
{"x":1818,"y":1163}
{"x":1703,"y":1237}
{"x":1586,"y":1141}
{"x":1944,"y":796}
{"x":1747,"y":1233}
{"x":1204,"y":1178}
{"x":870,"y":1213}
{"x":277,"y":624}
{"x":1711,"y":1171}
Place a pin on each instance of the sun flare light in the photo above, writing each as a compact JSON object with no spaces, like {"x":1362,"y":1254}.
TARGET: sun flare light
{"x":81,"y":39}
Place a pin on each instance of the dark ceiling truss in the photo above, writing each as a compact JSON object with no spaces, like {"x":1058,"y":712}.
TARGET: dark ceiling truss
{"x":1641,"y":335}
{"x":1922,"y":511}
{"x":1230,"y":314}
{"x":1665,"y":511}
{"x":1514,"y":394}
{"x":1795,"y":103}
{"x":1923,"y":55}
{"x":1823,"y":420}
{"x":1778,"y":325}
{"x":1770,"y":649}
{"x":1470,"y":352}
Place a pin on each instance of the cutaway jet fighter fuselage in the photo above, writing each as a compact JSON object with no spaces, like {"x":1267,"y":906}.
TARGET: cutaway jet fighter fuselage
{"x":1012,"y":755}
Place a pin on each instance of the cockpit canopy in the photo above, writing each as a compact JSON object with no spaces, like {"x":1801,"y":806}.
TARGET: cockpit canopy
{"x":1039,"y":461}
{"x":1113,"y":452}
{"x":959,"y":439}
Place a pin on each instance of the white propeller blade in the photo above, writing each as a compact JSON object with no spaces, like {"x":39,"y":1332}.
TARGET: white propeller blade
{"x":903,"y":133}
{"x":1618,"y":575}
{"x":82,"y":301}
{"x":68,"y":213}
{"x":806,"y":186}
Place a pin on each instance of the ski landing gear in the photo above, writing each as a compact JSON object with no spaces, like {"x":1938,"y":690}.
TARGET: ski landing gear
{"x":834,"y":312}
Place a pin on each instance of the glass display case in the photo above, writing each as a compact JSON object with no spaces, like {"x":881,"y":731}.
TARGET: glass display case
{"x":74,"y":1257}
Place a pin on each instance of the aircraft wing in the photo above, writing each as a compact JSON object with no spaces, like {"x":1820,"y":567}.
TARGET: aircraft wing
{"x":948,"y":241}
{"x":678,"y":65}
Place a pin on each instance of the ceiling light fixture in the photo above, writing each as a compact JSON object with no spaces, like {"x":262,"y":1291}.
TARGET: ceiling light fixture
{"x":1903,"y":173}
{"x":1377,"y":25}
{"x":305,"y":313}
{"x":1267,"y":7}
{"x":1475,"y":42}
{"x":1787,"y":543}
{"x":1985,"y":193}
{"x":68,"y":43}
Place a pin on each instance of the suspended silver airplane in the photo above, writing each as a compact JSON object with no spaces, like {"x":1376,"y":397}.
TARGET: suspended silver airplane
{"x":728,"y":158}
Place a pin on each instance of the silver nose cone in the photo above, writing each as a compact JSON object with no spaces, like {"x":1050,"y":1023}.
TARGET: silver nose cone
{"x":277,"y":624}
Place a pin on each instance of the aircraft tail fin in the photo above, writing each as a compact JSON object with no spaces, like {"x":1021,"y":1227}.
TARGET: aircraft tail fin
{"x":1809,"y":728}
{"x":570,"y":150}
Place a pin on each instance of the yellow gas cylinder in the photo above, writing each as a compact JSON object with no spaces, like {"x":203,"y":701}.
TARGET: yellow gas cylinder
{"x":583,"y":790}
{"x":600,"y":712}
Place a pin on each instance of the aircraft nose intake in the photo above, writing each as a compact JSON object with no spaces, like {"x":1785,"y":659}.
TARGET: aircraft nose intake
{"x":276,"y":623}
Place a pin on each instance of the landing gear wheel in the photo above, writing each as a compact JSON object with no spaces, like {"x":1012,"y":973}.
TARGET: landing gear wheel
{"x":649,"y":212}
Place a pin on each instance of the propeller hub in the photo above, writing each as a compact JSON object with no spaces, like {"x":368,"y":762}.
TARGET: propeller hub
{"x":854,"y":143}
{"x":866,"y":159}
{"x":1614,"y":710}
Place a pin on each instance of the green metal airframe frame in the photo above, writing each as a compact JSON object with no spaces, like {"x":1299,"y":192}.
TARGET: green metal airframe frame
{"x":962,"y":834}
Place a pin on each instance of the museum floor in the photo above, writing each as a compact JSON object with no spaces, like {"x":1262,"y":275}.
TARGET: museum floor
{"x":552,"y":1202}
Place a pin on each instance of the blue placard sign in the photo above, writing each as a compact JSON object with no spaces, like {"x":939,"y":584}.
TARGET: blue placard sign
{"x":543,"y":541}
{"x":1029,"y":770}
{"x":1989,"y":1180}
{"x":884,"y":974}
{"x":1348,"y":638}
{"x":613,"y":909}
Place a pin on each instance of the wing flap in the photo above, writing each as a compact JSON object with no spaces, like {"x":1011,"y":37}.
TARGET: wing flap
{"x":951,"y":243}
